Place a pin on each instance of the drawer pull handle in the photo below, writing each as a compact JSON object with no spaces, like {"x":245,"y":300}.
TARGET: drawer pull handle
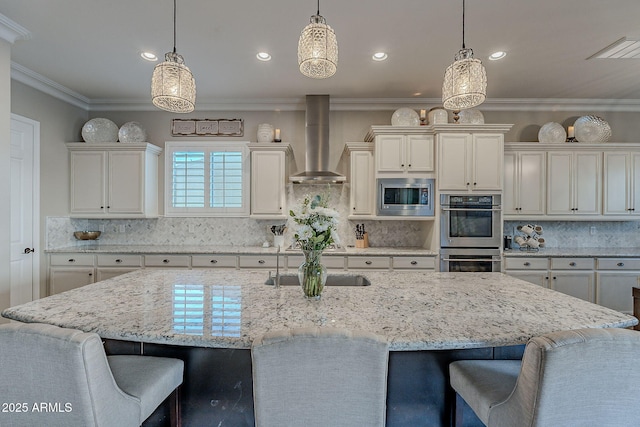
{"x":414,"y":262}
{"x":90,"y":274}
{"x":620,"y":264}
{"x":214,"y":261}
{"x":166,"y":261}
{"x":572,"y":264}
{"x":527,"y":264}
{"x":368,"y":262}
{"x":72,"y":260}
{"x":260,"y":261}
{"x":119,"y":261}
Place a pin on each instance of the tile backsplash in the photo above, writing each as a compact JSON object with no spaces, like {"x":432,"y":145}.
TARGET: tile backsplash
{"x":230,"y":231}
{"x":584,"y":234}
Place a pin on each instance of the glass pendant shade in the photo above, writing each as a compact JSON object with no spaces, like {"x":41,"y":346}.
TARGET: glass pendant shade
{"x":318,"y":49}
{"x":173,"y":87}
{"x":465,"y":82}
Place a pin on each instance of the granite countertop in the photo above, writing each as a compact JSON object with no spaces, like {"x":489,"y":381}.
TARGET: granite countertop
{"x":413,"y":310}
{"x":576,"y":252}
{"x":236,"y":250}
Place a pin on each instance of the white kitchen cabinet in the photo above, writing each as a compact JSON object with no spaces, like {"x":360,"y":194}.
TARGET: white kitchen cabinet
{"x":70,"y":271}
{"x":574,"y":182}
{"x":524,"y":183}
{"x":470,"y":162}
{"x":621,"y":190}
{"x":112,"y":180}
{"x":214,"y":261}
{"x":414,"y":263}
{"x":361,"y":178}
{"x":616,"y":278}
{"x":269,"y":172}
{"x":167,"y":260}
{"x":112,"y":265}
{"x":364,"y":262}
{"x":330,"y":262}
{"x":577,"y":284}
{"x":404,"y":154}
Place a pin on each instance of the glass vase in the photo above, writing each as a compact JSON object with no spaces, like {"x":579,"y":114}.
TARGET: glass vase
{"x":312,"y":274}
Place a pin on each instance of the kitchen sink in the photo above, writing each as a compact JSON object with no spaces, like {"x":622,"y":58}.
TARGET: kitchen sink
{"x":332,"y":280}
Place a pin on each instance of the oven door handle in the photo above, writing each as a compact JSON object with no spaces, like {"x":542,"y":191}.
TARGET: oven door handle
{"x":471,"y":209}
{"x":471,"y":259}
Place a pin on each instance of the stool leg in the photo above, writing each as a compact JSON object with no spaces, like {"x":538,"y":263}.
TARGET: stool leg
{"x":175,"y":408}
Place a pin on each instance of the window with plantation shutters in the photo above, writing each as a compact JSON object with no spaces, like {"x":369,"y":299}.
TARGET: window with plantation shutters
{"x":206,"y":179}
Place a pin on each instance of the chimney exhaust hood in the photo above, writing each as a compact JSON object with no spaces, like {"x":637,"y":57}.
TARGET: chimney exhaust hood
{"x":317,"y":144}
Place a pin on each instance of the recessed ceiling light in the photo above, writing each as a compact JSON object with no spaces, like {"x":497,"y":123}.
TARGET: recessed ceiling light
{"x":263,"y":56}
{"x":379,"y":56}
{"x":149,"y":56}
{"x":497,"y":55}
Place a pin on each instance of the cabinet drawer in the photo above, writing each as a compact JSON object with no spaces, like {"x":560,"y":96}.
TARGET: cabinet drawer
{"x":518,"y":263}
{"x":72,"y":259}
{"x":259,"y":261}
{"x":166,"y":260}
{"x":107,"y":260}
{"x":618,"y":264}
{"x":418,"y":262}
{"x":572,"y":263}
{"x":368,"y":262}
{"x":214,"y":261}
{"x":331,"y":262}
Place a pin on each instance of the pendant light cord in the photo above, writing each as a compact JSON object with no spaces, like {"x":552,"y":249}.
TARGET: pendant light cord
{"x":318,"y":8}
{"x":462,"y":24}
{"x":174,"y":26}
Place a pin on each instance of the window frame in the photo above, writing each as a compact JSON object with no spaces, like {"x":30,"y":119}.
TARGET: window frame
{"x":207,"y":146}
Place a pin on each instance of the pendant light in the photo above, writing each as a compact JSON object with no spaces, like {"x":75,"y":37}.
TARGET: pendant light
{"x":465,"y":81}
{"x":318,"y":48}
{"x":173,"y":87}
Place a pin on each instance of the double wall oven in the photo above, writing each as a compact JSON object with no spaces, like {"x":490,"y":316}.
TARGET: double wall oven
{"x":470,"y":232}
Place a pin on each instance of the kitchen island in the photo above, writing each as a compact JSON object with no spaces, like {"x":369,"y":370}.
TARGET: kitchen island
{"x":428,"y":318}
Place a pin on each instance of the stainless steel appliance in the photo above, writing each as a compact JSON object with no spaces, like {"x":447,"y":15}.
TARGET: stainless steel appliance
{"x":470,"y":221}
{"x":470,"y":260}
{"x":405,"y":197}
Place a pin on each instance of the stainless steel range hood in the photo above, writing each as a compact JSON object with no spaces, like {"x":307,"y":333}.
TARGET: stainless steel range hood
{"x":317,"y":145}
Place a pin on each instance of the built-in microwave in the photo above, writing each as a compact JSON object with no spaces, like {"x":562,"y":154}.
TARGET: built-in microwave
{"x":405,"y":197}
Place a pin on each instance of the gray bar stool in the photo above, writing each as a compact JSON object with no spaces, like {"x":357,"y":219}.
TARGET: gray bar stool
{"x":63,"y":377}
{"x":320,"y":377}
{"x":585,"y":377}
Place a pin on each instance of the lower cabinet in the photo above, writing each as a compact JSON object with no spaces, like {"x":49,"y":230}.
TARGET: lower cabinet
{"x":615,"y":282}
{"x":577,"y":284}
{"x":63,"y":279}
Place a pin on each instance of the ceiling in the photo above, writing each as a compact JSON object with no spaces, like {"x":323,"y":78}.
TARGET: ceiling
{"x":91,"y":48}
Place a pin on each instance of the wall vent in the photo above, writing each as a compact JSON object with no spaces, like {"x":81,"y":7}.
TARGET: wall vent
{"x":621,"y":49}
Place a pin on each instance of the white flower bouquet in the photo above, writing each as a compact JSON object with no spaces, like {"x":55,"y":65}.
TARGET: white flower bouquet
{"x":314,"y":224}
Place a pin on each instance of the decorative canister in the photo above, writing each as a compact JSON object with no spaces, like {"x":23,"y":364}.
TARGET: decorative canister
{"x":438,"y":116}
{"x":265,"y":132}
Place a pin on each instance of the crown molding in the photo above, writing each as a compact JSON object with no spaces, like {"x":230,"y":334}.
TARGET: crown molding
{"x":12,"y":31}
{"x":48,"y":86}
{"x":43,"y":84}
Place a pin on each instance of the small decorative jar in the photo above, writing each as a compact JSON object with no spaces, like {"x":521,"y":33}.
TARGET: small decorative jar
{"x":438,"y":116}
{"x":265,"y":132}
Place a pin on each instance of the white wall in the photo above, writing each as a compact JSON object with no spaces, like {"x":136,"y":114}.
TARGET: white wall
{"x":5,"y":173}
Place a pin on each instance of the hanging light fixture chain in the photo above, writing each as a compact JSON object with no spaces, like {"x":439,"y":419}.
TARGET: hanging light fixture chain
{"x":174,"y":26}
{"x":318,"y":8}
{"x":462,"y":24}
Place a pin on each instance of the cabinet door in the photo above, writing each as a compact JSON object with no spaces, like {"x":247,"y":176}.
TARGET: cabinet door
{"x":587,"y":183}
{"x":634,"y":203}
{"x":88,"y":183}
{"x":63,"y":279}
{"x":559,"y":180}
{"x":126,"y":182}
{"x":487,"y":162}
{"x":267,"y":182}
{"x":614,"y":290}
{"x":453,"y":161}
{"x":419,"y":153}
{"x":390,"y":153}
{"x":616,"y":183}
{"x":108,"y":273}
{"x":511,"y":192}
{"x":532,"y":183}
{"x":579,"y":285}
{"x":362,"y":183}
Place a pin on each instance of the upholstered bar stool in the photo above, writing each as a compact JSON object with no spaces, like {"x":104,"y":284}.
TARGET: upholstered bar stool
{"x":320,"y":377}
{"x":62,"y":377}
{"x":586,"y":377}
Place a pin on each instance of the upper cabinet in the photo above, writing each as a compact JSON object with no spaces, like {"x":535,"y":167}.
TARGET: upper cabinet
{"x":524,"y":183}
{"x":470,"y":157}
{"x":574,"y":180}
{"x":269,"y":173}
{"x":402,"y":151}
{"x":361,"y":178}
{"x":622,"y":183}
{"x":113,"y":180}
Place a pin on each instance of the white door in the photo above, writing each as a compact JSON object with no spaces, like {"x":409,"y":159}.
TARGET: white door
{"x":25,"y":190}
